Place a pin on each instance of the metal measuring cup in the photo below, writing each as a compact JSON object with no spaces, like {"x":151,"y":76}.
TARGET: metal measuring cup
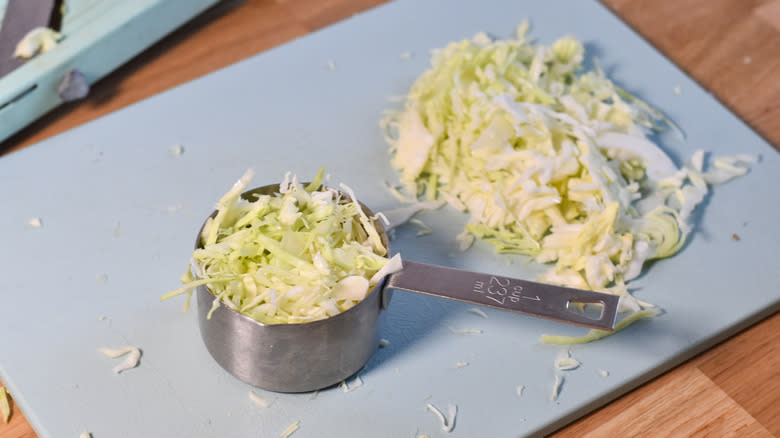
{"x":313,"y":355}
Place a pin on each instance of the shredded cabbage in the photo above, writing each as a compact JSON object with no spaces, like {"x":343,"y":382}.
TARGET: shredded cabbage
{"x":176,"y":150}
{"x":131,"y":361}
{"x":550,"y":160}
{"x":347,"y":387}
{"x":466,"y":331}
{"x":299,"y":255}
{"x":402,"y":215}
{"x":478,"y":312}
{"x":567,"y":363}
{"x":290,"y":429}
{"x":448,"y":422}
{"x":5,"y":407}
{"x":596,"y":334}
{"x":557,"y":385}
{"x":38,"y":40}
{"x":424,"y":229}
{"x":259,"y":401}
{"x":35,"y":222}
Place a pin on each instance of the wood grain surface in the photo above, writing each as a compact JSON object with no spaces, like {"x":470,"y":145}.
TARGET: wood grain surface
{"x":731,"y":47}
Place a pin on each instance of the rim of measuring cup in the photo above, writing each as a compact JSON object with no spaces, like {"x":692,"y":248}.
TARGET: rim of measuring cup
{"x":272,"y":189}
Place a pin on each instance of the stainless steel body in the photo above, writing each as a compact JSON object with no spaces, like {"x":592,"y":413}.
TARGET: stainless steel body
{"x":291,"y":357}
{"x":313,"y":355}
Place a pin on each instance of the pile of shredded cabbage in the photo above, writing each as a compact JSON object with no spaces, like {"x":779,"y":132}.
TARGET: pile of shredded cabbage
{"x":299,"y":255}
{"x":549,"y":160}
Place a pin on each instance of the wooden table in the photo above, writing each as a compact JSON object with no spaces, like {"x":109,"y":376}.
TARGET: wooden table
{"x":731,"y":47}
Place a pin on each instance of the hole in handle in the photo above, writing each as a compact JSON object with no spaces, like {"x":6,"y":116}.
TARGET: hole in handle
{"x":591,"y":309}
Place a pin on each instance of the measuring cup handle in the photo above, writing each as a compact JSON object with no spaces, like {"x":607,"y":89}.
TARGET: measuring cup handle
{"x":505,"y":293}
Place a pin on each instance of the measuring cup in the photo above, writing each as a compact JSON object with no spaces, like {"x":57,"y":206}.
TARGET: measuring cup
{"x":313,"y":355}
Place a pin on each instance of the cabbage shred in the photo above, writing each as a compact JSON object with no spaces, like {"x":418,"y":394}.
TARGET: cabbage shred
{"x":5,"y":407}
{"x":299,"y":255}
{"x":550,"y":161}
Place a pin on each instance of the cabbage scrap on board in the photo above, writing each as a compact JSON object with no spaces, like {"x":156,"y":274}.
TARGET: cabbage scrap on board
{"x":550,"y":161}
{"x":5,"y":407}
{"x":299,"y":255}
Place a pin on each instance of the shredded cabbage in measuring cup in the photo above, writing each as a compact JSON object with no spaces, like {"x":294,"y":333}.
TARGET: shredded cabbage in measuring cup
{"x":300,"y":255}
{"x":549,"y":160}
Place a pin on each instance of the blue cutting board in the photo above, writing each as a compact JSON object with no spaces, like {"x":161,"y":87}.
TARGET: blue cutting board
{"x":120,"y":214}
